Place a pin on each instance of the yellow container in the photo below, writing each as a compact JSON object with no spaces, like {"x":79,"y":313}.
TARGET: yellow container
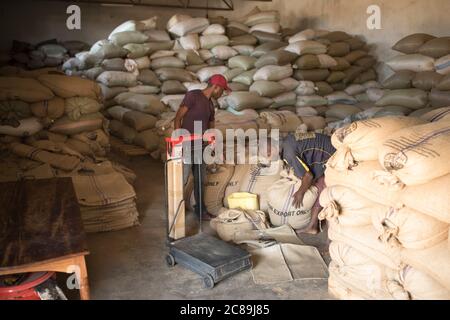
{"x":243,"y":200}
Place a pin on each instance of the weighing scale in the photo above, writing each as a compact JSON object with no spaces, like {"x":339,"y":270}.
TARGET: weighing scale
{"x":208,"y":256}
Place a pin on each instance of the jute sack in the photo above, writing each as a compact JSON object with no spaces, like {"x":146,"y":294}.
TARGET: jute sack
{"x":426,"y":80}
{"x":245,"y":78}
{"x":210,"y":41}
{"x":361,"y":140}
{"x":125,"y":37}
{"x":139,"y":121}
{"x":247,"y":100}
{"x":117,"y":112}
{"x":410,"y":153}
{"x":167,"y":62}
{"x":173,"y":87}
{"x":174,"y":74}
{"x":217,"y":180}
{"x":359,"y":271}
{"x":246,"y":39}
{"x":280,"y":198}
{"x":439,"y":99}
{"x":192,"y":25}
{"x":307,"y":62}
{"x":339,"y":289}
{"x":361,"y":179}
{"x":305,"y":47}
{"x":444,"y":84}
{"x":434,"y":261}
{"x":407,"y":228}
{"x":430,"y":198}
{"x":267,"y":88}
{"x":273,"y":73}
{"x":234,"y":185}
{"x":312,"y":75}
{"x":313,"y":123}
{"x":412,"y":43}
{"x":285,"y":121}
{"x":223,"y":52}
{"x":205,"y":73}
{"x":88,"y":122}
{"x":148,"y":77}
{"x":442,"y":65}
{"x":102,"y":189}
{"x":364,"y":239}
{"x":27,"y":127}
{"x":48,"y":109}
{"x":436,"y":48}
{"x":147,"y":139}
{"x":278,"y":57}
{"x":104,"y":49}
{"x":400,"y":80}
{"x":144,"y":89}
{"x":255,"y":18}
{"x":258,"y":180}
{"x":59,"y":161}
{"x":230,"y":222}
{"x":117,"y":129}
{"x":75,"y":107}
{"x":410,"y":98}
{"x":414,"y":284}
{"x":345,"y":207}
{"x":284,"y":99}
{"x":28,"y":90}
{"x":109,"y":93}
{"x":262,"y":36}
{"x":134,"y":65}
{"x":68,"y":87}
{"x":140,"y":102}
{"x":441,"y":114}
{"x":411,"y":62}
{"x":267,"y":47}
{"x":341,"y":111}
{"x":117,"y":79}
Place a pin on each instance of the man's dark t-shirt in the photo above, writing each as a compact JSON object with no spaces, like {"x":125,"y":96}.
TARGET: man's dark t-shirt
{"x":200,"y":108}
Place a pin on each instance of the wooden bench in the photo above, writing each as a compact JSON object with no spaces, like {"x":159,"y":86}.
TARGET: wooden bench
{"x":41,"y":229}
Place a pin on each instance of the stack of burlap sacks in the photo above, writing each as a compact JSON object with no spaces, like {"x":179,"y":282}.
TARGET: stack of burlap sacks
{"x":387,"y":206}
{"x":52,"y":127}
{"x":421,"y":78}
{"x":121,"y":64}
{"x":49,"y":53}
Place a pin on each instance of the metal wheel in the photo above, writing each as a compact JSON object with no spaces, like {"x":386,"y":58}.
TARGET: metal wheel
{"x":208,"y":282}
{"x":170,"y":260}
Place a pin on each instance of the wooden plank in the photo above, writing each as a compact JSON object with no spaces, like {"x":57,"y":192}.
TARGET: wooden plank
{"x":175,"y":198}
{"x":39,"y":220}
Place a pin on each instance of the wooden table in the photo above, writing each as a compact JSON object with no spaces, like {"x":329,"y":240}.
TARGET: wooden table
{"x":41,"y":229}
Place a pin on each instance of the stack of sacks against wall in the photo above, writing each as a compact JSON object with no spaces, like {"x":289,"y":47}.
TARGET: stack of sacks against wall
{"x":397,"y":220}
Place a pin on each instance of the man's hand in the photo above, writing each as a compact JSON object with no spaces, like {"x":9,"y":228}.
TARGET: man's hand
{"x":297,"y":201}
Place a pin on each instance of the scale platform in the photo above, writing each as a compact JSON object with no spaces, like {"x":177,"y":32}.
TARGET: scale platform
{"x":211,"y":258}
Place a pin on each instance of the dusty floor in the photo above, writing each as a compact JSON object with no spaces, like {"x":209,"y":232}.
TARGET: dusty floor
{"x":130,"y":264}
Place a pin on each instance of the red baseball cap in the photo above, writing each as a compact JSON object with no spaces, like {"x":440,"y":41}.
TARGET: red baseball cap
{"x":219,"y":80}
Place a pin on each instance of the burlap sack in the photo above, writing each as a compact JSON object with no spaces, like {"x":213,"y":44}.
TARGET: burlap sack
{"x":436,"y":48}
{"x":407,"y":228}
{"x":28,"y":90}
{"x":364,"y":239}
{"x":147,"y":139}
{"x":217,"y":180}
{"x":230,"y":222}
{"x":410,"y":153}
{"x":414,"y":284}
{"x":88,"y":122}
{"x":441,"y":114}
{"x":64,"y":162}
{"x":68,"y":87}
{"x":285,"y":121}
{"x":432,"y":261}
{"x":280,"y":198}
{"x":138,"y":120}
{"x":430,"y":198}
{"x":140,"y":102}
{"x":361,"y":140}
{"x":402,"y":79}
{"x":345,"y":207}
{"x":360,"y":272}
{"x":75,"y":107}
{"x":412,"y":43}
{"x":362,"y":179}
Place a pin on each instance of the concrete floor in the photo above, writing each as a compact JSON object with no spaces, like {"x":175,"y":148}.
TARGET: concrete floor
{"x":130,"y":264}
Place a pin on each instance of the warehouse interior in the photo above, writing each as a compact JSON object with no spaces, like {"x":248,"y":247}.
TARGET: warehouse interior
{"x":98,"y":202}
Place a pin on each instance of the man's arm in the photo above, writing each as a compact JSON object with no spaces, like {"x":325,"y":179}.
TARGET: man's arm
{"x":307,"y":182}
{"x":179,"y":116}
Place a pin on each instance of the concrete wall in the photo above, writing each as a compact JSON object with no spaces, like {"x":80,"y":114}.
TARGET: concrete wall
{"x":35,"y":21}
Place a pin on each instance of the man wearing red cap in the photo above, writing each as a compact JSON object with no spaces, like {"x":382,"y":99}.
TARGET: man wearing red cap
{"x":197,"y":106}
